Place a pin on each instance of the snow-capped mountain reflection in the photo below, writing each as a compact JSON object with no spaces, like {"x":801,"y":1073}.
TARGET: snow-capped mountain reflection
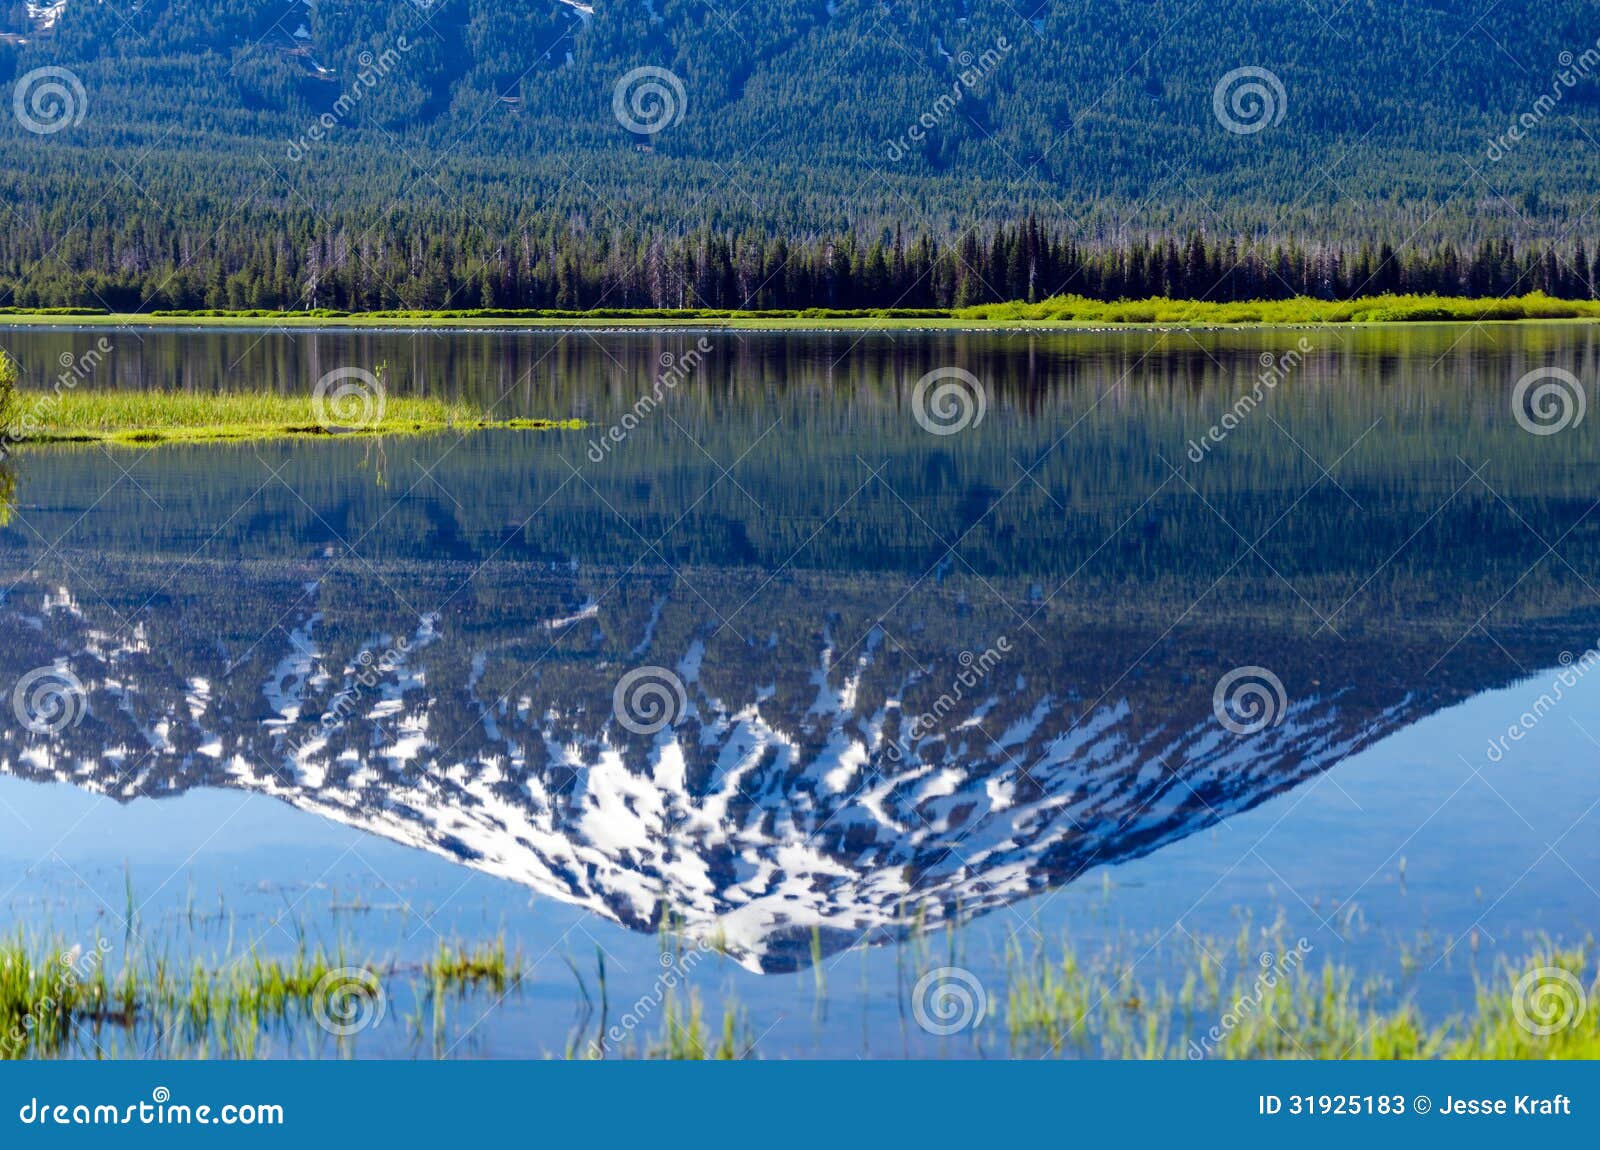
{"x":844,"y":753}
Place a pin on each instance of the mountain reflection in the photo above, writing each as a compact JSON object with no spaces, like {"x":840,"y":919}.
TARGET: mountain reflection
{"x":845,"y":754}
{"x":869,"y":675}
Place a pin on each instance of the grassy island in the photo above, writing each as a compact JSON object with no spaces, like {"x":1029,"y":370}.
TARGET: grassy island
{"x":153,"y":417}
{"x":136,"y":418}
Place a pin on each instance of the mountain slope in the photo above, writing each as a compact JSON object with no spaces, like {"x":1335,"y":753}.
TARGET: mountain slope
{"x":478,"y":125}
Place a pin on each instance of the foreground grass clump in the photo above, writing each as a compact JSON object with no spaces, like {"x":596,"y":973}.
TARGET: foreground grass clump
{"x":44,"y":999}
{"x":1547,"y":1010}
{"x":10,"y":402}
{"x":488,"y":967}
{"x":1547,"y":1007}
{"x":167,"y":417}
{"x":683,"y":1033}
{"x":1271,"y":1010}
{"x":685,"y":1038}
{"x":67,"y":1003}
{"x":9,"y":406}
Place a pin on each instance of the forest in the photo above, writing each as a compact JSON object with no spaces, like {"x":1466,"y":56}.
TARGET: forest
{"x":796,"y":153}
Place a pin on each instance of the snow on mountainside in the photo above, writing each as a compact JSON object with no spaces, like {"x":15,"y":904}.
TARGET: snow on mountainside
{"x":762,"y":815}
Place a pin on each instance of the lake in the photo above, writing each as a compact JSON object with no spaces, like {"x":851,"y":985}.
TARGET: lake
{"x":817,"y":666}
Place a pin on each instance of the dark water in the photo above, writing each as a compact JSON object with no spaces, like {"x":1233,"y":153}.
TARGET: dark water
{"x":785,"y":665}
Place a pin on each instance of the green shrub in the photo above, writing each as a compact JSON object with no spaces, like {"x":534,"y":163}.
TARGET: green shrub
{"x":10,"y":401}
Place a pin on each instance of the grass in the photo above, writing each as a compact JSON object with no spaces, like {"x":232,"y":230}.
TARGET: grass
{"x":10,"y":405}
{"x":1064,"y":1006}
{"x":43,"y":1001}
{"x":1060,"y":311}
{"x":10,"y":398}
{"x":57,"y":1002}
{"x":142,"y":418}
{"x":683,"y":1034}
{"x":1376,"y":309}
{"x":684,"y":1037}
{"x":486,"y":967}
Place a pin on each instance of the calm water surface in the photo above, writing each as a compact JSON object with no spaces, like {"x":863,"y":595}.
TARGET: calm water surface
{"x":779,"y":663}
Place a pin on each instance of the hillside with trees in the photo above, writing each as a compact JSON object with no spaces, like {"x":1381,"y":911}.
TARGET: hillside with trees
{"x":510,"y":153}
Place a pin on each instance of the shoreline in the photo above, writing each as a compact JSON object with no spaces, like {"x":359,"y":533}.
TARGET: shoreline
{"x":1066,"y":315}
{"x":312,"y":326}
